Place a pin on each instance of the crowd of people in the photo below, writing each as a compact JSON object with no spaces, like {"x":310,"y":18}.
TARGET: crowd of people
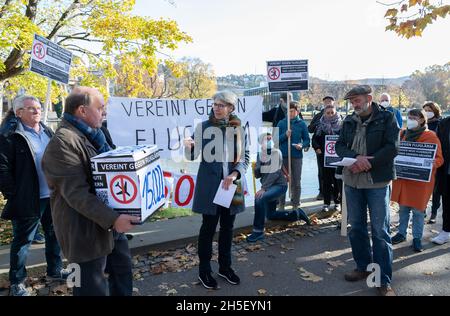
{"x":46,"y":178}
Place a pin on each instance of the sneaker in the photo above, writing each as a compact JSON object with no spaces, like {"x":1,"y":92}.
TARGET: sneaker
{"x":326,"y":208}
{"x":398,"y":238}
{"x":319,"y":197}
{"x":442,"y":238}
{"x":39,"y":239}
{"x":356,"y":275}
{"x":61,"y":276}
{"x":386,"y":290}
{"x":230,"y":276}
{"x":255,"y":236}
{"x":432,"y":219}
{"x":337,"y":207}
{"x":18,"y":290}
{"x":207,"y":280}
{"x":417,"y":245}
{"x":301,"y":215}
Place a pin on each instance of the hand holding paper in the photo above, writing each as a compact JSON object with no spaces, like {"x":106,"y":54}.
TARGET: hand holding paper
{"x":346,"y":162}
{"x":223,"y":196}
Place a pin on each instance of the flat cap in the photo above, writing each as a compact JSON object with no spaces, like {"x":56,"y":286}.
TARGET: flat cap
{"x":328,"y":97}
{"x":358,"y":90}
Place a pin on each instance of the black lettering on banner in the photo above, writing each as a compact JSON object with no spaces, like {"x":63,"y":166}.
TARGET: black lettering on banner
{"x":129,"y":109}
{"x":139,"y":106}
{"x":241,"y":105}
{"x":158,"y":107}
{"x":169,"y":139}
{"x":137,"y":136}
{"x":147,"y":160}
{"x":200,"y":110}
{"x":149,"y":105}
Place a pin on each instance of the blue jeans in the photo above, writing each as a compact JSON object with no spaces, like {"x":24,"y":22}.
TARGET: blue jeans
{"x":23,"y":232}
{"x":266,"y":207}
{"x":377,"y":201}
{"x":417,"y":221}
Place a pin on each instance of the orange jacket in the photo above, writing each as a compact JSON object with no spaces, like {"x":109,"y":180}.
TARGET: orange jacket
{"x":416,"y":194}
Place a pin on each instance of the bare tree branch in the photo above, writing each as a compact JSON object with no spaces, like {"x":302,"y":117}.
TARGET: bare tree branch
{"x":2,"y":10}
{"x":63,"y":18}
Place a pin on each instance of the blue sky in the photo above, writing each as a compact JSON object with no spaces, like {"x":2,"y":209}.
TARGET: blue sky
{"x":342,"y":39}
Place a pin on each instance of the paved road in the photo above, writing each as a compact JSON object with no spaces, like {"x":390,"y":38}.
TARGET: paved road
{"x":326,"y":254}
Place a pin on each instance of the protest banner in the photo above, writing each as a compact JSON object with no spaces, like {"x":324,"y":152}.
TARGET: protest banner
{"x":330,"y":155}
{"x":415,"y":161}
{"x":166,"y":122}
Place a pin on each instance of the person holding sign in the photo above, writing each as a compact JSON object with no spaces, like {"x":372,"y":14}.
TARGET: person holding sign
{"x":268,"y":167}
{"x":329,"y":124}
{"x":369,"y":135}
{"x":300,"y":142}
{"x":312,"y":127}
{"x":221,"y":141}
{"x":83,"y":223}
{"x":413,"y":196}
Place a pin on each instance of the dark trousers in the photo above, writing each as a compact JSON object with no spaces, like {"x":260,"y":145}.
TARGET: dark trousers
{"x":23,"y":235}
{"x":446,"y":209}
{"x":332,"y":187}
{"x":436,"y":201}
{"x":319,"y":159}
{"x":205,"y":239}
{"x":117,"y":265}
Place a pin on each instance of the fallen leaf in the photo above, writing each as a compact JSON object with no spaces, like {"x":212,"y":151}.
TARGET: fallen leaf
{"x":172,"y":292}
{"x":258,"y":274}
{"x":429,"y":273}
{"x":262,"y":292}
{"x":309,"y":276}
{"x":135,"y":289}
{"x":163,"y":286}
{"x":336,"y":263}
{"x":242,"y":259}
{"x":184,"y":286}
{"x":434,"y":231}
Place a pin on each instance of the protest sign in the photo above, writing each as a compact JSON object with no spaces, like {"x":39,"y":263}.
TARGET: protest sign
{"x":415,"y":161}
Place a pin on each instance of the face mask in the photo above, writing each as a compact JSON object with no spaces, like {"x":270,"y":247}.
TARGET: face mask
{"x":430,"y":115}
{"x":384,"y":104}
{"x":411,"y":124}
{"x":269,"y":144}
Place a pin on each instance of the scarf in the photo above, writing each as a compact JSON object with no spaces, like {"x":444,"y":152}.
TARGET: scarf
{"x":413,"y":135}
{"x":329,"y":126}
{"x":94,"y":135}
{"x":232,"y":121}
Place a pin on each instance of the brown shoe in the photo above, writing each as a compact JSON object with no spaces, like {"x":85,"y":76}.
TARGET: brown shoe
{"x":386,"y":290}
{"x":356,"y":275}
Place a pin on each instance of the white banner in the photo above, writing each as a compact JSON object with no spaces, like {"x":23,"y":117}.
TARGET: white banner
{"x":166,"y":122}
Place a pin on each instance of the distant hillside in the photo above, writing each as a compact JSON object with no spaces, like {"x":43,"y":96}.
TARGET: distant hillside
{"x":239,"y":82}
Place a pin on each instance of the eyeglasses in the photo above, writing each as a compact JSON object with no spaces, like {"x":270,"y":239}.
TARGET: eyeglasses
{"x":32,"y":109}
{"x":220,"y":105}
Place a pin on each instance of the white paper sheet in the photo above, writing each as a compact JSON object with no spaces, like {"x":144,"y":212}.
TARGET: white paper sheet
{"x":224,"y":197}
{"x":346,"y":162}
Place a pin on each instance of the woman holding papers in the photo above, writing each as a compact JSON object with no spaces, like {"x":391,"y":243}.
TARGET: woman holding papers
{"x":273,"y":185}
{"x":330,"y":124}
{"x":224,"y":161}
{"x":413,"y":195}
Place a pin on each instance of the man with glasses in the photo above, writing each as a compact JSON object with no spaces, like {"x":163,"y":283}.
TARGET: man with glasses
{"x":23,"y":184}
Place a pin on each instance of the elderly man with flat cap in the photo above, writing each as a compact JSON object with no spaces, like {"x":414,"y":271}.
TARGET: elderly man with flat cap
{"x":371,"y":136}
